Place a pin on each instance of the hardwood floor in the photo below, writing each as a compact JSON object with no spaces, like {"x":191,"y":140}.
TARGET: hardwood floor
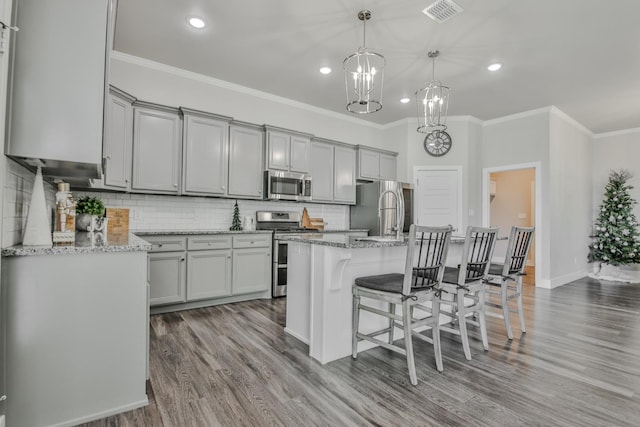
{"x":233,"y":365}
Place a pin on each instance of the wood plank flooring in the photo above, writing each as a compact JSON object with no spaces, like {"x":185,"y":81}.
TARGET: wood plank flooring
{"x":233,"y":365}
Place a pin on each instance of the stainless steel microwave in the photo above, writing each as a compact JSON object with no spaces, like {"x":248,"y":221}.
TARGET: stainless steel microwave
{"x":280,"y":185}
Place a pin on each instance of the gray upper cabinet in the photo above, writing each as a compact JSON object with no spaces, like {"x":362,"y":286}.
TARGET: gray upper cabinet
{"x":375,"y":164}
{"x":205,"y":145}
{"x":157,"y":135}
{"x":58,"y":85}
{"x":333,"y":169}
{"x":344,"y":181}
{"x":388,"y":164}
{"x":322,"y":172}
{"x":118,"y":140}
{"x":246,"y":157}
{"x":287,"y":150}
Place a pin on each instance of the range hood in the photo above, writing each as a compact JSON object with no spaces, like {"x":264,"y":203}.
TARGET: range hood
{"x":62,"y":169}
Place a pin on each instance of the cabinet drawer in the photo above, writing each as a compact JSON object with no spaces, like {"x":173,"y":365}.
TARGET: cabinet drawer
{"x":252,"y":241}
{"x":198,"y":243}
{"x":166,"y":243}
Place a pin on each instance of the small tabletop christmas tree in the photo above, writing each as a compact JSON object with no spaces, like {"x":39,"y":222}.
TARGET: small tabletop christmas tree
{"x":616,"y":238}
{"x":236,"y":224}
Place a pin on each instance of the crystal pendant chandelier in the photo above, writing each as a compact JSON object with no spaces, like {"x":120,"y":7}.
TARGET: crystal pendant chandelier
{"x":363,"y":75}
{"x":432,"y":102}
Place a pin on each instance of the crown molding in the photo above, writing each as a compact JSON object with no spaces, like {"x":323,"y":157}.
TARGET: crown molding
{"x":564,"y":116}
{"x":617,"y":133}
{"x":157,"y":66}
{"x":510,"y":117}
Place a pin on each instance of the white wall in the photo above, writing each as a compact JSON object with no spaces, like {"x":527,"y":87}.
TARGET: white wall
{"x":570,"y":198}
{"x":615,"y":151}
{"x":524,"y":139}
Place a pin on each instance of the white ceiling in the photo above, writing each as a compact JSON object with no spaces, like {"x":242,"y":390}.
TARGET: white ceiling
{"x":582,"y":56}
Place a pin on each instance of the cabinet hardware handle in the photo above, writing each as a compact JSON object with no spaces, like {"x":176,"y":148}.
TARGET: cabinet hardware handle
{"x":175,"y":185}
{"x":159,"y":245}
{"x":126,"y":180}
{"x":182,"y":259}
{"x":222,"y":187}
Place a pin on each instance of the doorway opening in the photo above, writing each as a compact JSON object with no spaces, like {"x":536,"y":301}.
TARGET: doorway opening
{"x":511,"y":197}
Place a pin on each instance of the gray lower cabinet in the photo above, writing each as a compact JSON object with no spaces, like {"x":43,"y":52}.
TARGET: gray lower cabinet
{"x":200,"y":270}
{"x":167,"y":269}
{"x":251,"y":263}
{"x":167,"y":278}
{"x":208,"y":267}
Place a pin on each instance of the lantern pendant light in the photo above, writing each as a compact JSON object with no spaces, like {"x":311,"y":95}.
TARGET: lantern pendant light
{"x":432,"y":102}
{"x":363,"y":75}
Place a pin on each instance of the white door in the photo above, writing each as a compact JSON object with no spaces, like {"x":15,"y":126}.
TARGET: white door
{"x":437,"y":198}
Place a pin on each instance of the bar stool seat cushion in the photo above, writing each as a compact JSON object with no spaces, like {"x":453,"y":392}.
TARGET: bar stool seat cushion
{"x":390,"y":282}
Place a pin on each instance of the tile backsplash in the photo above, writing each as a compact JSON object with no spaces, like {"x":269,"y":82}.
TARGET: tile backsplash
{"x":18,"y":186}
{"x":157,"y":212}
{"x":151,"y":212}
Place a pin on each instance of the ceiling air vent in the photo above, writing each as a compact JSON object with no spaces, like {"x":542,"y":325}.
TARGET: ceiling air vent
{"x":442,"y":10}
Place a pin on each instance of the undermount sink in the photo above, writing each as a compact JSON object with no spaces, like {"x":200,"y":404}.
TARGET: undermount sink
{"x":378,"y":239}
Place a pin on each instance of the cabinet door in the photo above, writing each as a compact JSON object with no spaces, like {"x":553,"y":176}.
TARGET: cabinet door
{"x":321,"y":172}
{"x":156,"y":151}
{"x":251,"y":270}
{"x":368,"y":164}
{"x":205,"y":147}
{"x":300,"y":150}
{"x":58,"y":100}
{"x":117,"y":148}
{"x":245,"y":162}
{"x":278,"y":150}
{"x":345,"y":175}
{"x":167,"y":277}
{"x":208,"y":274}
{"x":387,"y":167}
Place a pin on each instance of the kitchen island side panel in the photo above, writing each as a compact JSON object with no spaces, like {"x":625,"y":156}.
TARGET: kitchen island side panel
{"x":76,"y":336}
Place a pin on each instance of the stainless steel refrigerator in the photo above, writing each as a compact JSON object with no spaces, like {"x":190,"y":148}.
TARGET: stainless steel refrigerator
{"x":379,"y":214}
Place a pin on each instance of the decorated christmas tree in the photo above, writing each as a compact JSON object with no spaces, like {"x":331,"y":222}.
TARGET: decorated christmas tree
{"x":616,"y":238}
{"x":236,"y":224}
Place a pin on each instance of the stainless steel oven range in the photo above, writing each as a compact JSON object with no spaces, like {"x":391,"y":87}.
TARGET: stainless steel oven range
{"x":282,"y":224}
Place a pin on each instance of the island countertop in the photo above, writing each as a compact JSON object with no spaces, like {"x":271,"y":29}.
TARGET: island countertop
{"x":342,"y":240}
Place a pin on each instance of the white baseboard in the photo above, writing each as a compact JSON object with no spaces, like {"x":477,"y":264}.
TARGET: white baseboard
{"x":295,"y":335}
{"x":1,"y":420}
{"x":104,"y":414}
{"x":560,"y":280}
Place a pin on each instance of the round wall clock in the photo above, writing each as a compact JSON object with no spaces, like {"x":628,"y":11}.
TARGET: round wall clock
{"x":437,"y":143}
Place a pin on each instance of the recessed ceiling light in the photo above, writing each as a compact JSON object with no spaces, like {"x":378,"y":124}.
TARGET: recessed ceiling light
{"x":494,"y":67}
{"x":196,"y":22}
{"x":404,"y":100}
{"x":325,"y":70}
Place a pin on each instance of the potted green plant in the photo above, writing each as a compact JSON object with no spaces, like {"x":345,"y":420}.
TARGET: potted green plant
{"x":90,"y":214}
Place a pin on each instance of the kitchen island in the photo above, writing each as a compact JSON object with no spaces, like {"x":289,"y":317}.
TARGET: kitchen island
{"x":322,"y":269}
{"x":76,"y":329}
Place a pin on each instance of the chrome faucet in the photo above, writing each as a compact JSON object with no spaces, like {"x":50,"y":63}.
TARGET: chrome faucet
{"x":399,"y":213}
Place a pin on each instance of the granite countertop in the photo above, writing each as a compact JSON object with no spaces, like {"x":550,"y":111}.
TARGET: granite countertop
{"x":85,"y":243}
{"x":338,"y":240}
{"x":195,"y":232}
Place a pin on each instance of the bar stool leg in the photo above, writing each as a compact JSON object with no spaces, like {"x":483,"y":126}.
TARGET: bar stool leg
{"x":408,"y":343}
{"x":355,"y":320}
{"x":392,"y":311}
{"x":505,"y":307}
{"x":462,"y":323}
